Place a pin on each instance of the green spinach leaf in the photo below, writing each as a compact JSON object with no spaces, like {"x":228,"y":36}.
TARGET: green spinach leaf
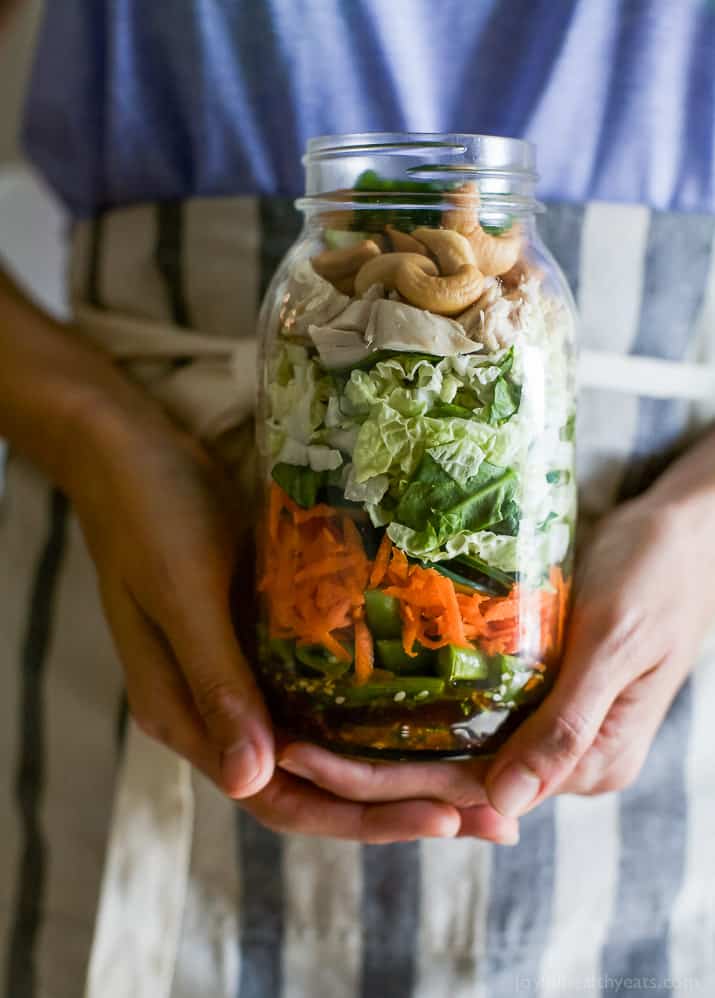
{"x":447,"y":410}
{"x":301,"y":483}
{"x":503,"y":398}
{"x":558,"y":477}
{"x":434,"y":501}
{"x":480,"y":509}
{"x":371,"y":188}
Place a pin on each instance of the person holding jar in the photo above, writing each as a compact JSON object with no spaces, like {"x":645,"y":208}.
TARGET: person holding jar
{"x":169,"y":141}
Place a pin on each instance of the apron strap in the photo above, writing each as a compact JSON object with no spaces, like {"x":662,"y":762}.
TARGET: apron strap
{"x":146,"y":875}
{"x":649,"y":377}
{"x":227,"y":390}
{"x":210,"y":394}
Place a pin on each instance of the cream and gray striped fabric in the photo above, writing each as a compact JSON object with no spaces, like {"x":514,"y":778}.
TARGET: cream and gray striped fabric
{"x":606,"y":895}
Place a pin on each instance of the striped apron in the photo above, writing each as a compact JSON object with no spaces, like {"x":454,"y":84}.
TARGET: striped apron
{"x":122,"y":869}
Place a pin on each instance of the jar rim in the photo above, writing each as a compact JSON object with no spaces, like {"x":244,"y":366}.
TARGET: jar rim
{"x":472,"y":150}
{"x":502,"y":169}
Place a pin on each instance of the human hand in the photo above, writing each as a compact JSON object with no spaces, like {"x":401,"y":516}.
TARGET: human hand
{"x":643,"y":602}
{"x":162,"y":528}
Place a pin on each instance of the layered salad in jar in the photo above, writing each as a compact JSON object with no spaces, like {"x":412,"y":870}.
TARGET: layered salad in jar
{"x":416,"y":431}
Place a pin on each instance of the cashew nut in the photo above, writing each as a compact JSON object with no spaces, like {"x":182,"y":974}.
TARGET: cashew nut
{"x":442,"y":295}
{"x":404,"y":243}
{"x":345,"y":284}
{"x":384,"y":270}
{"x":464,"y":217}
{"x":452,"y":249}
{"x":496,"y":254}
{"x":339,"y":218}
{"x":520,"y":272}
{"x":338,"y":263}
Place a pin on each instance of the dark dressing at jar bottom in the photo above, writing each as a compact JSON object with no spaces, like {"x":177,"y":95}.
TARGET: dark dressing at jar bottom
{"x":452,"y":727}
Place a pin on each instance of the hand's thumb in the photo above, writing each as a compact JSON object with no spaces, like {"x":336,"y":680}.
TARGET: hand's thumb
{"x":229,"y":703}
{"x":239,"y":728}
{"x":537,"y":758}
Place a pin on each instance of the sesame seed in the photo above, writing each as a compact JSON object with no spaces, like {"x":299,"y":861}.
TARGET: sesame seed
{"x":340,"y":699}
{"x":422,"y":694}
{"x":399,"y":696}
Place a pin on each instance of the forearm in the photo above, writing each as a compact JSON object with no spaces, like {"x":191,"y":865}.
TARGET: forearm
{"x":56,"y":391}
{"x":7,"y":9}
{"x":689,"y":485}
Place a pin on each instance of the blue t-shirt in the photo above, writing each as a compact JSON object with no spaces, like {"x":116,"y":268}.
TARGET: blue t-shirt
{"x":135,"y":100}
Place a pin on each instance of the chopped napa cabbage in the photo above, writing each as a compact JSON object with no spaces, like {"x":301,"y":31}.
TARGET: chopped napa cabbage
{"x":292,"y":452}
{"x":497,"y":550}
{"x":297,"y":395}
{"x":388,"y":443}
{"x":298,"y":401}
{"x":462,"y":456}
{"x":370,"y":491}
{"x":324,"y":458}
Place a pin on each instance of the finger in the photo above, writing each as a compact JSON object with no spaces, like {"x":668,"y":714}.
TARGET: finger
{"x":159,"y":699}
{"x":458,"y":783}
{"x":483,"y":822}
{"x":599,"y":662}
{"x":199,"y":626}
{"x":621,"y":746}
{"x":289,"y":804}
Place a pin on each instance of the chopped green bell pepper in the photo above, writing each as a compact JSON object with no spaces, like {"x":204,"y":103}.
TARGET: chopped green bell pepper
{"x":383,"y":614}
{"x":458,"y":664}
{"x":412,"y":688}
{"x":316,"y":657}
{"x":393,"y":657}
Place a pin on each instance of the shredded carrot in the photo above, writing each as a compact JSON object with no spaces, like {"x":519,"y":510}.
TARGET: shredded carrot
{"x":364,"y":652}
{"x":317,"y":572}
{"x":338,"y":616}
{"x":274,"y":511}
{"x":434,"y":616}
{"x":500,"y":610}
{"x":563,"y":589}
{"x":333,"y":646}
{"x":381,"y":562}
{"x":321,"y":511}
{"x":409,"y":630}
{"x":353,"y":539}
{"x":399,"y":568}
{"x":326,"y":566}
{"x":453,"y":618}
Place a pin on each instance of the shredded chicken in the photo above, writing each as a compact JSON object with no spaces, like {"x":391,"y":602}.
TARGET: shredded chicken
{"x":309,"y":300}
{"x":396,"y":326}
{"x":339,"y":347}
{"x":489,"y":320}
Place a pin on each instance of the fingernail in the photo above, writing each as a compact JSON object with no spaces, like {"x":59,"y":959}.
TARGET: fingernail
{"x":295,"y":768}
{"x":447,"y":827}
{"x":240,"y":765}
{"x":509,"y":840}
{"x":513,"y":790}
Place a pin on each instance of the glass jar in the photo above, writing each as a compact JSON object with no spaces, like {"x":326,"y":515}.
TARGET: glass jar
{"x":416,"y":442}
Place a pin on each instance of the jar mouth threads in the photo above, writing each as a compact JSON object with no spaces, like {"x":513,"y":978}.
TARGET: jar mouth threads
{"x":489,"y":151}
{"x":348,"y":200}
{"x":500,"y":170}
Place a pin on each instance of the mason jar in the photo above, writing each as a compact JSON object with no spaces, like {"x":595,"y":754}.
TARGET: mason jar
{"x":416,"y":440}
